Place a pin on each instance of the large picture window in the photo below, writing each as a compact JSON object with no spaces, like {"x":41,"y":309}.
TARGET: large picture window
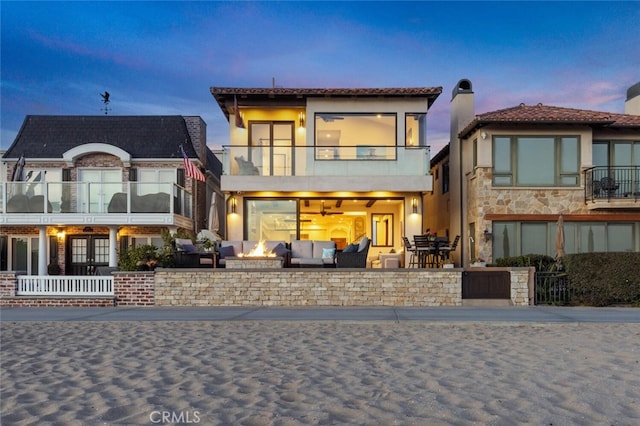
{"x":536,"y":161}
{"x":523,"y":238}
{"x":360,"y":136}
{"x":415,"y":127}
{"x":273,"y":219}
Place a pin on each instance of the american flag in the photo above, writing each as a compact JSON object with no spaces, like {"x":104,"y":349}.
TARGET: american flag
{"x":192,"y":170}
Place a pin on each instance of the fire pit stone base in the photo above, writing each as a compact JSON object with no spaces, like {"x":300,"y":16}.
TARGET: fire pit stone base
{"x":254,"y":262}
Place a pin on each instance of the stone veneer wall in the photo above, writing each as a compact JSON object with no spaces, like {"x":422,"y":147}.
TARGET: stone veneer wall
{"x":320,"y":287}
{"x":483,"y":199}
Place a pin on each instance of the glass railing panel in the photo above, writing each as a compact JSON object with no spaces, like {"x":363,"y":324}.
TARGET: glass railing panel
{"x":150,"y":197}
{"x":325,"y":160}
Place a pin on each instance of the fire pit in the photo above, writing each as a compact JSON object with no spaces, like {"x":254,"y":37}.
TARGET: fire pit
{"x":258,"y":257}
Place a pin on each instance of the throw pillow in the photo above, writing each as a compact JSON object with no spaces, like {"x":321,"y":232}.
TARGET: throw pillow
{"x":328,"y":253}
{"x":364,"y":242}
{"x":280,"y":250}
{"x":184,"y":244}
{"x":226,"y":251}
{"x":351,"y":248}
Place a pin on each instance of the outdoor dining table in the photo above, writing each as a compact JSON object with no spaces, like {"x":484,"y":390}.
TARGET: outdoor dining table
{"x":427,"y":248}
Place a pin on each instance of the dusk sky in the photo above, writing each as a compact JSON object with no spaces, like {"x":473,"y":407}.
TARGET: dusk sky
{"x":162,"y":57}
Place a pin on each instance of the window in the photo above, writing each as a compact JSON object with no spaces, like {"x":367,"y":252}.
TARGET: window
{"x":24,"y":254}
{"x":270,"y":219}
{"x":536,"y":161}
{"x":523,"y":238}
{"x":445,"y":177}
{"x":153,"y":181}
{"x":382,"y":229}
{"x":362,"y":136}
{"x":415,"y":130}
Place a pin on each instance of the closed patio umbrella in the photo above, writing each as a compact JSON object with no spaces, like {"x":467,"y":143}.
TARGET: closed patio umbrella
{"x":16,"y":176}
{"x":560,"y":238}
{"x":214,"y":217}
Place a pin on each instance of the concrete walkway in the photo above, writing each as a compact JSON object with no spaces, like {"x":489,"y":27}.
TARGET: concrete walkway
{"x":532,"y":314}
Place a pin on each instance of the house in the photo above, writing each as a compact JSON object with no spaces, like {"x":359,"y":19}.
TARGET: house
{"x":78,"y":188}
{"x":326,"y":164}
{"x":515,"y":170}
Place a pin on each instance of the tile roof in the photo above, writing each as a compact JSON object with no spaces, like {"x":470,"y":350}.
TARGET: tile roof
{"x":280,"y":95}
{"x":544,"y":114}
{"x":49,"y":136}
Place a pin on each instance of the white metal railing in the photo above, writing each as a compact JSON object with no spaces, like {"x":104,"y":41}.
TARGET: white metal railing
{"x":64,"y":285}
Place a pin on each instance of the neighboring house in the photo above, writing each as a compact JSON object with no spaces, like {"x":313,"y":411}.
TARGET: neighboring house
{"x":513,"y":171}
{"x":326,"y":164}
{"x":86,"y":186}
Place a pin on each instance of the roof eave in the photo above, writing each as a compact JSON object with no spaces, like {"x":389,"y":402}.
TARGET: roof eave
{"x":477,"y":124}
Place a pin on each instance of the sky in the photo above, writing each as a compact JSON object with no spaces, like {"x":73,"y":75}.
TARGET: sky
{"x":161,"y":58}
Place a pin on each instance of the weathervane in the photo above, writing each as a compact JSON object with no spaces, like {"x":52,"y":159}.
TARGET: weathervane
{"x":105,"y":100}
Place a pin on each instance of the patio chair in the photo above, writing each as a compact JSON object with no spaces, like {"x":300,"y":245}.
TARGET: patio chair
{"x":445,"y":251}
{"x":609,"y":185}
{"x":413,"y":259}
{"x":354,"y":259}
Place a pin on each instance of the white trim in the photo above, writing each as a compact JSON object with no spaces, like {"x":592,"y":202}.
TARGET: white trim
{"x":71,"y":155}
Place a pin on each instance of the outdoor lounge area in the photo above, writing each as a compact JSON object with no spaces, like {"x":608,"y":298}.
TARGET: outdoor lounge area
{"x":298,"y":253}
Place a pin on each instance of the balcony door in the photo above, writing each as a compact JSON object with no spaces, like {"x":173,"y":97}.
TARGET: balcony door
{"x":271,"y":147}
{"x":100,"y":186}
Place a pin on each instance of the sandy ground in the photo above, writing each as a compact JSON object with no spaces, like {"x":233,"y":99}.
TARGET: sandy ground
{"x":337,"y":373}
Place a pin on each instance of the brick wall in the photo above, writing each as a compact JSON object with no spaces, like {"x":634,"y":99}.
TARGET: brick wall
{"x":7,"y":284}
{"x":134,"y":288}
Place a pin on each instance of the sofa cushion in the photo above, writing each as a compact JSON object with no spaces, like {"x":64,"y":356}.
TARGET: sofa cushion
{"x":301,"y":249}
{"x":226,"y":251}
{"x":237,"y":246}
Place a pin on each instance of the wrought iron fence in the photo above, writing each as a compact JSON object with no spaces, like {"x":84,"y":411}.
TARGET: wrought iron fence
{"x":552,"y":288}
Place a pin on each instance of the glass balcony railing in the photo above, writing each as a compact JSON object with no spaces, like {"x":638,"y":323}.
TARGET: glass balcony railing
{"x":94,"y":198}
{"x":613,"y":182}
{"x":360,"y":160}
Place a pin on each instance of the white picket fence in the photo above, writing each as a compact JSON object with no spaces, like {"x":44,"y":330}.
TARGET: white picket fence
{"x":64,"y":285}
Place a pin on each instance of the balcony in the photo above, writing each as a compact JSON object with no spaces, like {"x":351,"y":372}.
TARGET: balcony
{"x":367,"y":167}
{"x":69,"y":203}
{"x":615,"y":186}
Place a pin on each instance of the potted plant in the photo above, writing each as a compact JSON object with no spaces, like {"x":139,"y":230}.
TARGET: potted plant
{"x":479,"y":262}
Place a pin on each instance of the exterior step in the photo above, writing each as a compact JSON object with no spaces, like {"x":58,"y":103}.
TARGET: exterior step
{"x":486,"y":302}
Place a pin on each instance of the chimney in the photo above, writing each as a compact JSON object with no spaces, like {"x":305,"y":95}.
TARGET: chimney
{"x":462,"y":113}
{"x":632,"y":104}
{"x":197,"y":129}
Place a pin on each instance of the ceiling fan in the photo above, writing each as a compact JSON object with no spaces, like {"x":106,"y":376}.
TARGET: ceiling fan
{"x":323,"y":211}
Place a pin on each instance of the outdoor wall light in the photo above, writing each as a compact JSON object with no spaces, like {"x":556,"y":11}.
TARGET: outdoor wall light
{"x":487,"y":235}
{"x":301,"y":119}
{"x":414,"y":205}
{"x":60,"y":234}
{"x":483,"y":135}
{"x":234,"y":205}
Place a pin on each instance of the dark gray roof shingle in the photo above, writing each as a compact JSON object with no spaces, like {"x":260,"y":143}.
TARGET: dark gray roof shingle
{"x":49,"y":136}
